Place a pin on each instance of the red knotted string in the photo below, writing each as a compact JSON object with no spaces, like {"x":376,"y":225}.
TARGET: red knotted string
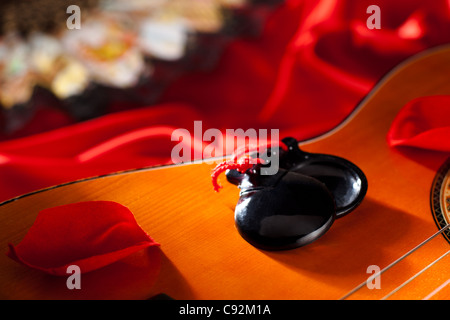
{"x":240,"y":161}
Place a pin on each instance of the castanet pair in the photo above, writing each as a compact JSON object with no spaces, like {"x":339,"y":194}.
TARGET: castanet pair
{"x":299,"y":203}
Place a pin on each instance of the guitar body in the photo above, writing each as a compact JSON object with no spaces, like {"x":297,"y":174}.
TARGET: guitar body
{"x":202,"y":255}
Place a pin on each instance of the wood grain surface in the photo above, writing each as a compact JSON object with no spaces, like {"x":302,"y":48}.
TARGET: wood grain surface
{"x":202,"y":255}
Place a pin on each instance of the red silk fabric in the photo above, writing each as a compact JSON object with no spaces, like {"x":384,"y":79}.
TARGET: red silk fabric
{"x":89,"y":235}
{"x":314,"y":62}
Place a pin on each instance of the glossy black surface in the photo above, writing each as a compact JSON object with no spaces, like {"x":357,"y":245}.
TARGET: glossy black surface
{"x":298,"y":204}
{"x":283,"y":211}
{"x":345,"y":180}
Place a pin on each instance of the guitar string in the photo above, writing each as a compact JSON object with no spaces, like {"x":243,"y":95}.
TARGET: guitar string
{"x":395,"y":262}
{"x":415,"y":276}
{"x":442,"y":286}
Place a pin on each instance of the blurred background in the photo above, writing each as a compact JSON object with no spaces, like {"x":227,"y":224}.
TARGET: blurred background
{"x":109,"y":55}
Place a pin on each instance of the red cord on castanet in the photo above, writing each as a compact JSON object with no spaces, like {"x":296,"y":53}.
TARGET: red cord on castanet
{"x":241,"y":165}
{"x":240,"y":161}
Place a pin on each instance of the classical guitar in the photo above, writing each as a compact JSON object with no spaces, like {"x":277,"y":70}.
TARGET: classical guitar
{"x":396,"y":236}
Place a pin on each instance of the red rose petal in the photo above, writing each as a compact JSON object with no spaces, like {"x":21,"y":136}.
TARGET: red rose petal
{"x":423,"y":123}
{"x":89,"y":234}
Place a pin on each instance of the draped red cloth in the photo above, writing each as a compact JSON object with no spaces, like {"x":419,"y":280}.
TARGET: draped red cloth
{"x":312,"y":65}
